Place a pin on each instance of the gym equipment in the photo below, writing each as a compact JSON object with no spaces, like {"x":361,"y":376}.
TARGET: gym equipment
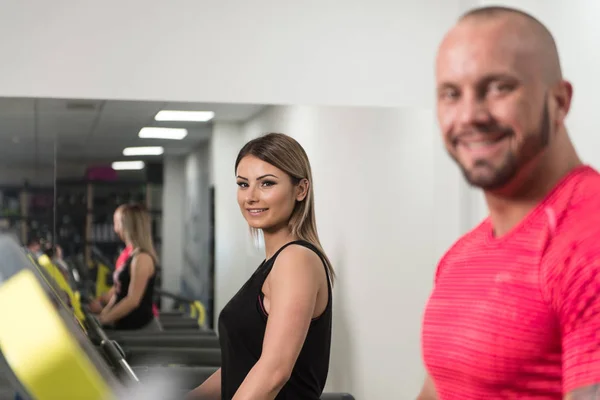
{"x":73,"y":368}
{"x":158,"y":340}
{"x":55,"y":275}
{"x":152,"y":355}
{"x":195,"y":308}
{"x":196,"y":318}
{"x":186,"y":377}
{"x":180,"y":323}
{"x":188,"y":332}
{"x":140,"y":353}
{"x":60,"y":362}
{"x":104,"y":271}
{"x":74,"y":298}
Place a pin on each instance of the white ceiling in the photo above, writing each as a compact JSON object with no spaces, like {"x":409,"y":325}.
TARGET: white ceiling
{"x":96,"y":131}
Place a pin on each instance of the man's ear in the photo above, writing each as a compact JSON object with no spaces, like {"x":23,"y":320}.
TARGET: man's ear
{"x":302,"y":189}
{"x":563,"y":95}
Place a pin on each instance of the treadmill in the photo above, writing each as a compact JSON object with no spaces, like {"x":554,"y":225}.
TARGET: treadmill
{"x":48,"y":354}
{"x":182,"y":378}
{"x":141,"y":349}
{"x":34,"y":319}
{"x":172,"y":321}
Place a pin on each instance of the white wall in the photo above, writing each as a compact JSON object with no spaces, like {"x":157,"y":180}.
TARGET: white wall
{"x":234,"y":256}
{"x":377,"y":222}
{"x":172,"y":224}
{"x":375,"y":52}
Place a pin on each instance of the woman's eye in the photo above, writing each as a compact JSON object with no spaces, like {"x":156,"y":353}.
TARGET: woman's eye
{"x":242,"y":184}
{"x":268,"y":183}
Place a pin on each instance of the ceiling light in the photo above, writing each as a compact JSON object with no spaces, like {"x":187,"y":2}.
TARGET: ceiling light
{"x":127,"y":165}
{"x":143,"y":151}
{"x":187,"y":116}
{"x":163,"y":133}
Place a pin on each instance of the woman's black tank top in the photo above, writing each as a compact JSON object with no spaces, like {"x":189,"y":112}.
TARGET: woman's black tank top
{"x":242,"y":325}
{"x":142,"y":315}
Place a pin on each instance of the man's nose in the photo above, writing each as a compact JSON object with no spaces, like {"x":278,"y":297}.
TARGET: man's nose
{"x":472,"y":110}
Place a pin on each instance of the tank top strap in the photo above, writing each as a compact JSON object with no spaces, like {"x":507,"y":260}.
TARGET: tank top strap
{"x":268,"y":264}
{"x":137,"y":251}
{"x":315,"y":249}
{"x":325,"y":266}
{"x":271,"y":261}
{"x":274,"y":256}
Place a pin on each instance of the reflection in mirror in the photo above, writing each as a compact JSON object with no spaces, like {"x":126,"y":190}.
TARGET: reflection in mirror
{"x":27,"y":171}
{"x":112,"y":153}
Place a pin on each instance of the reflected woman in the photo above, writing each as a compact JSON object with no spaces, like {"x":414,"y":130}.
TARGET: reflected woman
{"x":275,"y":333}
{"x":130,"y":307}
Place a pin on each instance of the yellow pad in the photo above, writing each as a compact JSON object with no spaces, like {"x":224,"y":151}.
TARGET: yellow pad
{"x":40,"y":349}
{"x":62,"y":283}
{"x":199,"y":307}
{"x":101,"y":277}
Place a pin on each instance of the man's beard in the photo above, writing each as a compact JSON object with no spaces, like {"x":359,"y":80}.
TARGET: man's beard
{"x":533,"y":144}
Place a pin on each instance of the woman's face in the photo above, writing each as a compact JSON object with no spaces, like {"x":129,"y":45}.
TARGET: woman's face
{"x":117,"y":223}
{"x":266,"y":194}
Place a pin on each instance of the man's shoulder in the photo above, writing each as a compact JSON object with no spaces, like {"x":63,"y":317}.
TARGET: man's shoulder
{"x":575,"y":240}
{"x":466,"y":244}
{"x":579,"y":221}
{"x":474,"y":237}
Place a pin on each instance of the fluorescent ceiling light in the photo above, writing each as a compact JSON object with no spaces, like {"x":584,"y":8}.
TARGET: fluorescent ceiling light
{"x":127,"y":165}
{"x":187,"y":116}
{"x":143,"y":151}
{"x":163,"y":133}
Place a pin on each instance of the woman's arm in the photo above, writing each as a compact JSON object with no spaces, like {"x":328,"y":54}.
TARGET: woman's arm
{"x":107,"y":297}
{"x":97,"y":305}
{"x":293,"y":284}
{"x":142,"y":268}
{"x":209,"y":390}
{"x":109,"y":305}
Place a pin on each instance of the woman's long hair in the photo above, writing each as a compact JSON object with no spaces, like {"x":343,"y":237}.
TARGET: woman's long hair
{"x":287,"y":154}
{"x":137,"y":229}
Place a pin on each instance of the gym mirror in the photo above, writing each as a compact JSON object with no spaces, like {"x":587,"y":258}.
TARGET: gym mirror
{"x":111,"y":153}
{"x":28,"y":128}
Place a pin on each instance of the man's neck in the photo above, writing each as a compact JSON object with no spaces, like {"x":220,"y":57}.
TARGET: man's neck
{"x":508,"y":209}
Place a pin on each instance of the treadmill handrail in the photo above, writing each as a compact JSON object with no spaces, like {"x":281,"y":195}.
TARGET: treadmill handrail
{"x":196,"y":306}
{"x":102,"y":258}
{"x":110,"y":347}
{"x":179,"y":298}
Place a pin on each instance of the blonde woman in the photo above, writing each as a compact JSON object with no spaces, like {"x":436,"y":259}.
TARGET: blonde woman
{"x":130,"y":307}
{"x":275,"y":333}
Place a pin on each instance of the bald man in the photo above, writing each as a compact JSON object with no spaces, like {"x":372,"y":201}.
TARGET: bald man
{"x":515,"y":309}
